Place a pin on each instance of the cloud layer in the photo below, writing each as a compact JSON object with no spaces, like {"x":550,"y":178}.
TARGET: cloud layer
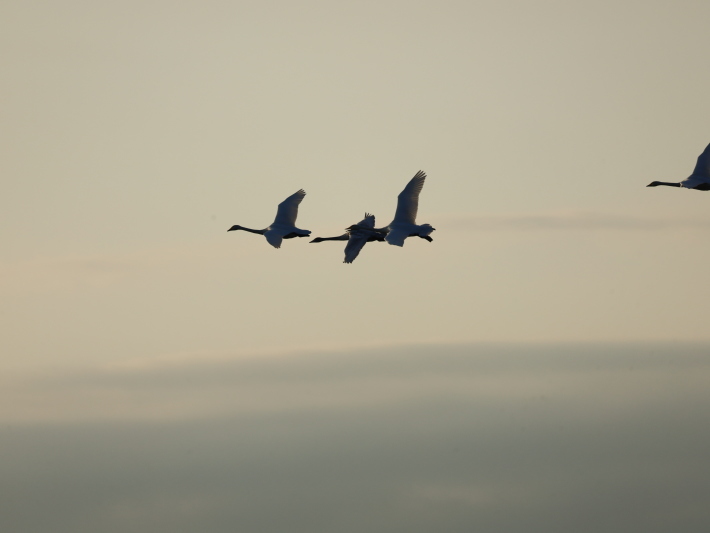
{"x":445,"y":438}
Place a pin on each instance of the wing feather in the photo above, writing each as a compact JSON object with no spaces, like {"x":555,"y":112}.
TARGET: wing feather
{"x":288,"y":209}
{"x":408,"y":199}
{"x":368,"y":221}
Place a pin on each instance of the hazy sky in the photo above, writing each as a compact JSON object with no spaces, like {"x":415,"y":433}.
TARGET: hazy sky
{"x":134,"y":134}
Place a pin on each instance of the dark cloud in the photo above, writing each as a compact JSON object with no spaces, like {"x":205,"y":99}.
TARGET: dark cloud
{"x":418,"y":439}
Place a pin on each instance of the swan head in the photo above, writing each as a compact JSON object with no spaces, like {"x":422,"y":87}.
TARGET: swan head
{"x":235,"y":227}
{"x":654,"y":184}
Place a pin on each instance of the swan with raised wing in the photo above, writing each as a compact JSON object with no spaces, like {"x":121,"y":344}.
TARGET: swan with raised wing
{"x":404,"y":224}
{"x":284,"y":225}
{"x":698,"y":180}
{"x":357,"y":237}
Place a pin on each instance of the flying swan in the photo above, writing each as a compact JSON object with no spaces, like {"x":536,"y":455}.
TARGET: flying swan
{"x":356,"y":237}
{"x":284,"y":225}
{"x":404,"y":224}
{"x":698,"y":180}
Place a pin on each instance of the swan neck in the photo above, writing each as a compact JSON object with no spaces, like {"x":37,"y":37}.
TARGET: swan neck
{"x":257,"y":231}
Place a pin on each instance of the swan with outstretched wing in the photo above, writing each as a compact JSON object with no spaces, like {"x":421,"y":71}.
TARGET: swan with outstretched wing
{"x":404,"y":223}
{"x":357,"y":237}
{"x":284,"y":225}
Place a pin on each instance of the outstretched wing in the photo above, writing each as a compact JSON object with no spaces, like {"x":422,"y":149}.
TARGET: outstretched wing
{"x":702,"y":167}
{"x":408,"y":199}
{"x":355,"y":243}
{"x":368,"y":221}
{"x":288,"y":209}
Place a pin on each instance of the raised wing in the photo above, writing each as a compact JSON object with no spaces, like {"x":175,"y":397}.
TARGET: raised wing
{"x":408,"y":199}
{"x":702,"y":167}
{"x":368,"y":221}
{"x":288,"y":209}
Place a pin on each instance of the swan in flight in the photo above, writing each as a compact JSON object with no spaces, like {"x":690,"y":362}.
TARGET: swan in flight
{"x":404,"y":224}
{"x":357,"y":237}
{"x":284,"y":225}
{"x":698,"y":180}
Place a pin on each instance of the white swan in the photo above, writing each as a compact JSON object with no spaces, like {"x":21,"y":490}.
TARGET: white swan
{"x":698,"y":180}
{"x":284,"y":225}
{"x":404,"y":224}
{"x":356,"y":237}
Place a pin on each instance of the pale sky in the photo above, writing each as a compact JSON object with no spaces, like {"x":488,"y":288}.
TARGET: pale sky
{"x":134,"y":134}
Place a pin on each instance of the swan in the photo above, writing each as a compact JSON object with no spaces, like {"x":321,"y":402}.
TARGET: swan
{"x":356,"y":237}
{"x":698,"y":180}
{"x":284,"y":225}
{"x":404,"y":223}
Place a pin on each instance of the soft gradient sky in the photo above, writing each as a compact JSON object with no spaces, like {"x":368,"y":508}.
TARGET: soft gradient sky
{"x":134,"y":134}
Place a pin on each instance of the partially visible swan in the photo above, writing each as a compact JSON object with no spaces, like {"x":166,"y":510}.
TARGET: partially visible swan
{"x":698,"y":180}
{"x":284,"y":225}
{"x":404,"y":224}
{"x":357,"y":236}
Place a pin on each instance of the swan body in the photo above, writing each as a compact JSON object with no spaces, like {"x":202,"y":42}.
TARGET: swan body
{"x":698,"y":180}
{"x":404,"y":224}
{"x":357,"y":236}
{"x":284,"y":225}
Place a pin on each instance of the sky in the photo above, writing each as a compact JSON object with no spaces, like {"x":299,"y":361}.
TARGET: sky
{"x":134,"y":134}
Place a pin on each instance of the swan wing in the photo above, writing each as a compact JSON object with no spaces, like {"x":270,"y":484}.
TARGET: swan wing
{"x":408,"y":199}
{"x":368,"y":221}
{"x":702,"y":167}
{"x":355,"y":243}
{"x":396,"y":236}
{"x":274,"y":238}
{"x":288,"y":209}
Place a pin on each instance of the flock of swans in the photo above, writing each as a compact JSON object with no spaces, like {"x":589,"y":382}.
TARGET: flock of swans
{"x":404,"y":223}
{"x":402,"y":226}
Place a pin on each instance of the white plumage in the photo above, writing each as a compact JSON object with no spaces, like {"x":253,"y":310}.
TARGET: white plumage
{"x":404,"y":223}
{"x":284,"y":225}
